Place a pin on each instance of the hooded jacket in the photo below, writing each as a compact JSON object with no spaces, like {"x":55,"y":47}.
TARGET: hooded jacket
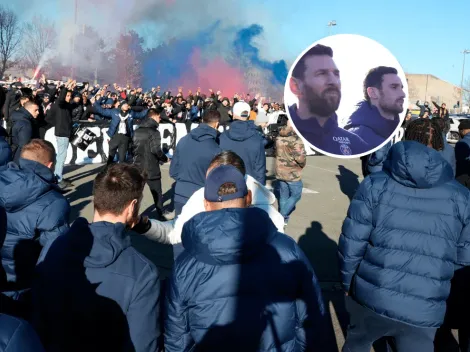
{"x":243,"y":139}
{"x":114,"y":115}
{"x":367,"y":123}
{"x":16,"y":335}
{"x":95,"y":292}
{"x":5,"y":150}
{"x":22,"y":131}
{"x":169,"y":232}
{"x":462,"y":157}
{"x":191,"y":160}
{"x":148,"y":151}
{"x":240,"y":285}
{"x":406,"y":230}
{"x":60,"y":116}
{"x":37,"y":213}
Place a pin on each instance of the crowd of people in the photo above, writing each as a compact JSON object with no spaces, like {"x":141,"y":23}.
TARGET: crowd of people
{"x":238,"y":282}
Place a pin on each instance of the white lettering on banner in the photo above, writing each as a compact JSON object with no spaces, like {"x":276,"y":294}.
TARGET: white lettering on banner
{"x":100,"y":147}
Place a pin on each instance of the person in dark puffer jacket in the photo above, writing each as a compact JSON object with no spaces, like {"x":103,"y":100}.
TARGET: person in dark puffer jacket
{"x":17,"y":335}
{"x":37,"y":213}
{"x":407,"y":229}
{"x":5,"y":150}
{"x":240,"y":285}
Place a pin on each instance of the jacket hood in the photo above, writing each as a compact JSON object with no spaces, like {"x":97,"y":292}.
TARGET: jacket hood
{"x":227,"y":236}
{"x":22,"y":185}
{"x":261,"y":195}
{"x":109,"y":241}
{"x":369,"y":116}
{"x":415,"y":165}
{"x":240,"y":130}
{"x":203,"y":132}
{"x":21,"y":114}
{"x":3,"y":132}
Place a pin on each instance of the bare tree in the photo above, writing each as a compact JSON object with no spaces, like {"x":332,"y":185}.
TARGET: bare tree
{"x":10,"y":38}
{"x":40,"y":37}
{"x":466,"y":93}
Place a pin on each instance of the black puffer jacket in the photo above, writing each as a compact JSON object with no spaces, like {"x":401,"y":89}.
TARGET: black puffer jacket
{"x":77,"y":113}
{"x":60,"y":116}
{"x":148,"y":152}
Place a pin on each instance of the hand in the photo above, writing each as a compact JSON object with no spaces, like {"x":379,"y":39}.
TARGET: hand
{"x":257,"y":96}
{"x":180,"y":89}
{"x":219,"y":92}
{"x":91,"y":120}
{"x":211,"y":91}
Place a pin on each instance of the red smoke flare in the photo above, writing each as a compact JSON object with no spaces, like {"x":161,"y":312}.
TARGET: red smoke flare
{"x":213,"y":74}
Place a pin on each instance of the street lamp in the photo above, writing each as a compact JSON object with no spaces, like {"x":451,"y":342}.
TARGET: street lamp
{"x":465,"y":52}
{"x":331,"y":24}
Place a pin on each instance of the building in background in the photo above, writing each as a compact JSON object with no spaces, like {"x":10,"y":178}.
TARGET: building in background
{"x":427,"y":87}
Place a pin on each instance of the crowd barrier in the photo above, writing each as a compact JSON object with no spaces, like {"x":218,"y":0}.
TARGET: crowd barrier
{"x":171,"y":134}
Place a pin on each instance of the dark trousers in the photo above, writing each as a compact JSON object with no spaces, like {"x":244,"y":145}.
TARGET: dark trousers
{"x":157,"y":194}
{"x":366,"y":326}
{"x":119,"y":143}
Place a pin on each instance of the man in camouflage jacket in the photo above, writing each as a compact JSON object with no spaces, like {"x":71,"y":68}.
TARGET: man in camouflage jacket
{"x":291,"y":158}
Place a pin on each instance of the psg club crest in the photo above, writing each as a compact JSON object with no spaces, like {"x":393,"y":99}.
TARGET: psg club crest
{"x":345,"y":149}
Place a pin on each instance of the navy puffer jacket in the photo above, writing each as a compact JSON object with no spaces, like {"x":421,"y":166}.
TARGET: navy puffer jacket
{"x":406,"y":229}
{"x":241,"y":286}
{"x":16,"y":335}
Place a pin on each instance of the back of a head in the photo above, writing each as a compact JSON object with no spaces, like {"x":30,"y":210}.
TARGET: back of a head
{"x":39,"y":150}
{"x":116,"y":187}
{"x":425,"y":132}
{"x":375,"y":77}
{"x":241,"y":111}
{"x":317,"y":50}
{"x":227,"y":157}
{"x":443,"y":125}
{"x":211,"y":117}
{"x":155,"y":112}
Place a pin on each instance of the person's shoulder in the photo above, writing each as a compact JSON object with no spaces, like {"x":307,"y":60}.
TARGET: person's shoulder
{"x":285,"y":246}
{"x":134,"y":264}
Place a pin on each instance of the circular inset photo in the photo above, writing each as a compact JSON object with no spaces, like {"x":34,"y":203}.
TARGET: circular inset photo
{"x":346,"y":96}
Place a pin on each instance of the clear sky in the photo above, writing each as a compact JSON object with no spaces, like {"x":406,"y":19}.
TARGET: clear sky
{"x":426,"y":36}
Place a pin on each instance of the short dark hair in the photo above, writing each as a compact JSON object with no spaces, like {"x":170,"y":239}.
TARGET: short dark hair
{"x":116,"y":187}
{"x":30,"y":103}
{"x":317,"y":50}
{"x":375,"y":78}
{"x":211,"y":116}
{"x":39,"y":150}
{"x":155,"y":111}
{"x":227,"y":157}
{"x":425,"y":132}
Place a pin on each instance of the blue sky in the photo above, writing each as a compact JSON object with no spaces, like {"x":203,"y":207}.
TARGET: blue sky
{"x":426,"y":36}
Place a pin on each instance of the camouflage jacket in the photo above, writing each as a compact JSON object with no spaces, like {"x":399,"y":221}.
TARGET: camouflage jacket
{"x":291,"y":157}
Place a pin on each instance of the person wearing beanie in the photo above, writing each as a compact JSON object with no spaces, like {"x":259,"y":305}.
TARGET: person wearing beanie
{"x":246,"y":141}
{"x":250,"y":285}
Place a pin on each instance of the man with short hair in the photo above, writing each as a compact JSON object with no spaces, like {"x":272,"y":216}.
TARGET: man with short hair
{"x":250,"y":285}
{"x":244,"y":139}
{"x":148,"y":155}
{"x":192,"y":157}
{"x":94,"y":291}
{"x":316,"y":83}
{"x":22,"y":130}
{"x":377,"y":116}
{"x":37,"y":213}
